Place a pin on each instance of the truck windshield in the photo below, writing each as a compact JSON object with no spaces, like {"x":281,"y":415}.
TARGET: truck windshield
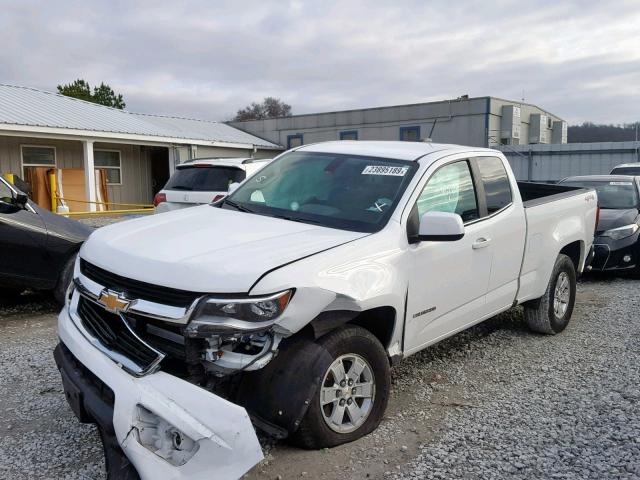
{"x":204,"y":178}
{"x":615,"y":195}
{"x":349,"y":192}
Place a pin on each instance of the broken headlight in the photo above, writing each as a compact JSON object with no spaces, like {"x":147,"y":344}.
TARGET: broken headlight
{"x":233,"y":315}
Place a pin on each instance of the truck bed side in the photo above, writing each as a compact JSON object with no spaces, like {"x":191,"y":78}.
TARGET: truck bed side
{"x":559,"y":219}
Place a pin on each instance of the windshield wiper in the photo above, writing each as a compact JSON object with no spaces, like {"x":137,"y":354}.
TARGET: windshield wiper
{"x":236,"y":206}
{"x":295,"y":219}
{"x":180,"y":187}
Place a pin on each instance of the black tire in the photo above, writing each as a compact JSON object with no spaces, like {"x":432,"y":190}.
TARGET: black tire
{"x":314,"y":432}
{"x":540,"y":314}
{"x":66,"y":275}
{"x":116,"y":463}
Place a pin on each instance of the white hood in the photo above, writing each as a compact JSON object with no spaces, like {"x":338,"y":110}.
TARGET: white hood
{"x":206,"y":249}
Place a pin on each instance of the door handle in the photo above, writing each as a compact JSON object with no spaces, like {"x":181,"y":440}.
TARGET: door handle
{"x":481,"y":242}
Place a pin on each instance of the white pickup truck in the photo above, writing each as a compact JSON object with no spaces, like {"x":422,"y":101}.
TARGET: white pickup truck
{"x":284,"y":306}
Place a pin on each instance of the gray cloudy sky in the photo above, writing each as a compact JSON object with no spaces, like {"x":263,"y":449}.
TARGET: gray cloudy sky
{"x":206,"y":59}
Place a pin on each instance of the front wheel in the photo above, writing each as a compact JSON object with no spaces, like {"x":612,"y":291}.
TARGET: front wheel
{"x":551,"y":313}
{"x":353,"y":393}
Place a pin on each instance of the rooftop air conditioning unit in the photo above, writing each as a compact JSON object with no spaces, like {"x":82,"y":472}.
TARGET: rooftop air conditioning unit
{"x":538,"y":129}
{"x":559,"y":132}
{"x":510,"y":123}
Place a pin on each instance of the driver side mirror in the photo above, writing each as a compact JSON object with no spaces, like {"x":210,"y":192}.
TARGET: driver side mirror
{"x":21,"y":200}
{"x":441,"y":227}
{"x":13,"y":204}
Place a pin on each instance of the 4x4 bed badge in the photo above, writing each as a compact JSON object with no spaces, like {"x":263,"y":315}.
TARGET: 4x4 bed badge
{"x":113,"y":302}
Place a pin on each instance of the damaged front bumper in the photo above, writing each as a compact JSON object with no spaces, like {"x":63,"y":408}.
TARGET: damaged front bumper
{"x":166,"y":427}
{"x":616,"y":255}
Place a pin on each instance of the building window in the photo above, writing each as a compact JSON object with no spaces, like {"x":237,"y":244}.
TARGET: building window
{"x":37,"y":156}
{"x":109,"y":160}
{"x":410,"y":134}
{"x":349,"y":135}
{"x":294,"y":141}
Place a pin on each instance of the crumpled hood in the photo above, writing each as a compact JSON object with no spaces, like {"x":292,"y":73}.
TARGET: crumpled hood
{"x":616,"y":218}
{"x":206,"y":249}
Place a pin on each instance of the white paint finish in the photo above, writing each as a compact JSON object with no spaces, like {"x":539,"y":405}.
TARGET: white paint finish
{"x":549,"y":228}
{"x":396,"y":150}
{"x":228,"y":446}
{"x":182,"y":249}
{"x":89,"y":175}
{"x":223,"y":251}
{"x":447,"y":277}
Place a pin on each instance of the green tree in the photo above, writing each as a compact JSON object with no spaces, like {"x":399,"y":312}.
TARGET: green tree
{"x":103,"y":95}
{"x":269,"y":108}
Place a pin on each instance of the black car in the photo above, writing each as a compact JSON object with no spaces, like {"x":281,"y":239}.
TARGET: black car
{"x":37,"y":247}
{"x":617,"y":241}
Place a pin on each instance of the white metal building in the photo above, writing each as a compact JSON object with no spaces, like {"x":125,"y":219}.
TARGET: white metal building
{"x":545,"y":163}
{"x":481,"y":121}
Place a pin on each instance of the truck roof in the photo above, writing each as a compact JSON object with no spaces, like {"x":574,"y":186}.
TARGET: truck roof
{"x":222,"y":162}
{"x":387,"y":149}
{"x":622,"y":165}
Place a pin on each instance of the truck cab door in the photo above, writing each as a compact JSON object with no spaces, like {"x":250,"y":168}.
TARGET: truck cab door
{"x":505,"y":219}
{"x":448,"y":280}
{"x":23,"y":237}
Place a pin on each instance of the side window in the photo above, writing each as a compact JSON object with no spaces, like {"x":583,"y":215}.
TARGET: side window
{"x":496,"y":183}
{"x":450,"y":189}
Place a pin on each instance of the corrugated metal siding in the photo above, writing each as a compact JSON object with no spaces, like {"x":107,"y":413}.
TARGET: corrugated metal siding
{"x":136,"y":168}
{"x":32,"y":107}
{"x":557,"y":161}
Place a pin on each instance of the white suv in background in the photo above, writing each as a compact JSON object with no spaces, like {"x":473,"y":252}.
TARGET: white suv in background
{"x":204,"y":180}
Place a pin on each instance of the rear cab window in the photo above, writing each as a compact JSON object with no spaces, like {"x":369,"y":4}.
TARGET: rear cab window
{"x":204,"y":178}
{"x":495,"y":182}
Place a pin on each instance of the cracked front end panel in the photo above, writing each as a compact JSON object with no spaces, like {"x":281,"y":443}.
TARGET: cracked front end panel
{"x":168,"y":427}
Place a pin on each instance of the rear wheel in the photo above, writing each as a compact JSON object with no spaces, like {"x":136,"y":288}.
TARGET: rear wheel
{"x":551,"y":313}
{"x":353,"y":393}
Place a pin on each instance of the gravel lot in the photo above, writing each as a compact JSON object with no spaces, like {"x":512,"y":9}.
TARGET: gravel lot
{"x":492,"y":402}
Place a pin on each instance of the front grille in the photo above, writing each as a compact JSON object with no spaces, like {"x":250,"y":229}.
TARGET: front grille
{"x":112,"y":333}
{"x":137,"y":289}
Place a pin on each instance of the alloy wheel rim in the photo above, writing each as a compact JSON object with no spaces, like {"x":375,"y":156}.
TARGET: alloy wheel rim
{"x":347,"y":393}
{"x":561,"y":295}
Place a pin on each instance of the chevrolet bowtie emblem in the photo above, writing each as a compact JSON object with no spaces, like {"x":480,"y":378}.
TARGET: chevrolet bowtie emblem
{"x":113,"y":302}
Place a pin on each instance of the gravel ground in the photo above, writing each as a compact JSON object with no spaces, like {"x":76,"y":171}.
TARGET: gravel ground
{"x":560,"y":407}
{"x":492,"y":402}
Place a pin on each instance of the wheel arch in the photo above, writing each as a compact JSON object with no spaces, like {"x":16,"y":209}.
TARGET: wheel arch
{"x":575,"y":251}
{"x":379,"y":321}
